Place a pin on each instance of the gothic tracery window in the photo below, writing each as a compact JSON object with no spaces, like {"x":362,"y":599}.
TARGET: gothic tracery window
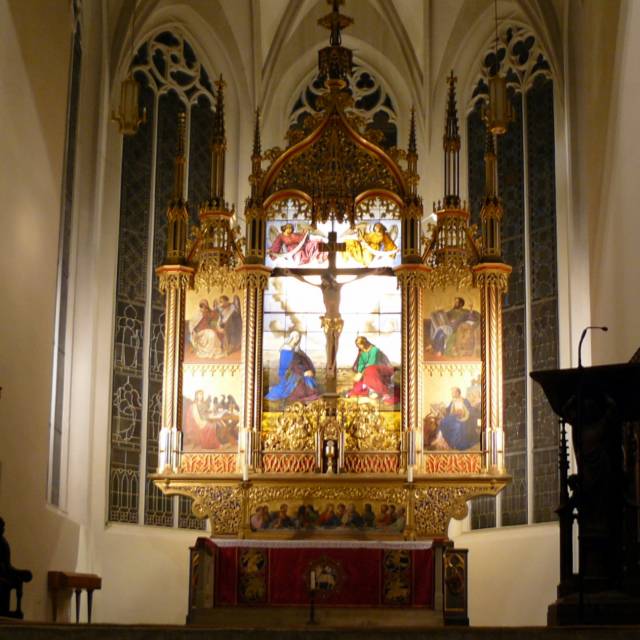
{"x":371,"y":101}
{"x":526,"y":179}
{"x":172,"y":80}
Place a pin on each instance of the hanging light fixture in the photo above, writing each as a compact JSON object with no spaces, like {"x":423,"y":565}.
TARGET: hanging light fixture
{"x":128,"y":114}
{"x":498,"y":112}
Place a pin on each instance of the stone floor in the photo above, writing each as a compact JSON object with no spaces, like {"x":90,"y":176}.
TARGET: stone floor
{"x":30,"y":631}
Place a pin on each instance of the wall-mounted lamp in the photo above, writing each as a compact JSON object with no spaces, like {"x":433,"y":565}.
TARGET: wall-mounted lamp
{"x":128,"y":115}
{"x":498,"y":111}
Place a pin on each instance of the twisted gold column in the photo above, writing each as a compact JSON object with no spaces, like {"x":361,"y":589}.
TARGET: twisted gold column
{"x":174,"y":281}
{"x":412,"y":279}
{"x":492,"y":279}
{"x":254,"y":279}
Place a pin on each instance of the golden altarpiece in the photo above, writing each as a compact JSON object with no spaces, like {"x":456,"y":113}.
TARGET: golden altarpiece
{"x":337,"y":371}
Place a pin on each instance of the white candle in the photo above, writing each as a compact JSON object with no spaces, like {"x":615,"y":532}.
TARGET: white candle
{"x":312,"y":581}
{"x":410,"y":473}
{"x":245,"y":471}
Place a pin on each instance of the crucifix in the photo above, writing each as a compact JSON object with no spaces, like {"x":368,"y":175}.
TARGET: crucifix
{"x":331,"y":322}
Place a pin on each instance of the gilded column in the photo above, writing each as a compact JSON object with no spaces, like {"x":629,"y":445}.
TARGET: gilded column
{"x":491,"y":276}
{"x":254,"y":278}
{"x":412,"y":278}
{"x":174,"y":278}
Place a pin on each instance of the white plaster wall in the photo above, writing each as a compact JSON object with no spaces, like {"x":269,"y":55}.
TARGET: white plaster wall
{"x":513,"y":574}
{"x":34,"y":49}
{"x":615,"y":224}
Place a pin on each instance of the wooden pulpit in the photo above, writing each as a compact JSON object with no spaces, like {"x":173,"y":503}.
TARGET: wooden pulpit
{"x":601,"y":404}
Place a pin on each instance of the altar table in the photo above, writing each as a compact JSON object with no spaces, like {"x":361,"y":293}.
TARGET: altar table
{"x":357,"y":573}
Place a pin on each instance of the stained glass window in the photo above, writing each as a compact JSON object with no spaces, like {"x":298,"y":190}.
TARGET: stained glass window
{"x":526,"y":156}
{"x":371,"y":101}
{"x":172,"y":80}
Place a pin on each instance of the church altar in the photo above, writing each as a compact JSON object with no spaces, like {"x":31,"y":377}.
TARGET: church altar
{"x":282,"y":573}
{"x":336,"y":371}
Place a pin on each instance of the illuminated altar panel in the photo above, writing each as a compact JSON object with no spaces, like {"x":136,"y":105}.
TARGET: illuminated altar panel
{"x":295,"y":244}
{"x":370,"y":306}
{"x":452,"y":370}
{"x":212,"y":371}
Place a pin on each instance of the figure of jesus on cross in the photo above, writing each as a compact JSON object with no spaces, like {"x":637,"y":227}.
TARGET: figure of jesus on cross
{"x":331,"y":322}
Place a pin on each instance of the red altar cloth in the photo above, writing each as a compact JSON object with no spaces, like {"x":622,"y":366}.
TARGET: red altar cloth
{"x":383,"y":575}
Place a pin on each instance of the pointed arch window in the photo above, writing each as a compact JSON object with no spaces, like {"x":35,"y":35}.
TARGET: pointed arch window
{"x":172,"y":80}
{"x":371,"y":101}
{"x":526,"y":179}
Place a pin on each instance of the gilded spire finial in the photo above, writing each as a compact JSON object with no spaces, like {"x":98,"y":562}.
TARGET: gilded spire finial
{"x":218,"y":148}
{"x":451,"y":145}
{"x":451,"y":132}
{"x":335,"y":22}
{"x":177,"y":214}
{"x":335,"y":62}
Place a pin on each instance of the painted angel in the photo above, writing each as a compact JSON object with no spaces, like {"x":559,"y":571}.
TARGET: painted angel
{"x":291,"y":248}
{"x":229,"y":328}
{"x":370,"y":246}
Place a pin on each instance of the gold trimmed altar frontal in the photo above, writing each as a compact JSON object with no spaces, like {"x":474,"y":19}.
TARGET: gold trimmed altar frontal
{"x":423,"y":508}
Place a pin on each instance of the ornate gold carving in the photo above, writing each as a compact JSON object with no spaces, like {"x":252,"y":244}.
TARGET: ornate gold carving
{"x":208,"y":463}
{"x":363,"y":462}
{"x":217,"y":253}
{"x":458,"y":463}
{"x":447,"y":369}
{"x":212,"y":275}
{"x":266,"y":494}
{"x":452,"y":249}
{"x":253,"y":277}
{"x":289,"y":462}
{"x":295,"y":429}
{"x":435,"y":506}
{"x":365,"y":428}
{"x":448,"y":275}
{"x":221,"y":504}
{"x":215,"y":369}
{"x":333,"y":167}
{"x":378,"y":208}
{"x":412,"y":276}
{"x":428,"y":506}
{"x":488,"y":277}
{"x":413,"y":210}
{"x":272,"y":154}
{"x":289,"y":208}
{"x":171,"y":277}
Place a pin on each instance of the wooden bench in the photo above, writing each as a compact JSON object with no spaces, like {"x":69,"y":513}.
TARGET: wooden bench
{"x":65,"y":580}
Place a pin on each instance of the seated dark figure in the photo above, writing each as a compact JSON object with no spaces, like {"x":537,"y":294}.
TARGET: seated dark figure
{"x":10,"y":578}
